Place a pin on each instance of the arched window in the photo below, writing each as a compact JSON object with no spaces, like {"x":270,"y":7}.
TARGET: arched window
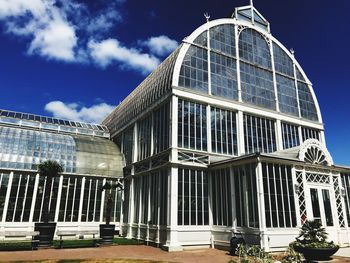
{"x":255,"y":67}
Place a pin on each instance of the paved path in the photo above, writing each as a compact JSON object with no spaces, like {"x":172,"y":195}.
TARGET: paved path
{"x":121,"y":252}
{"x":343,"y":252}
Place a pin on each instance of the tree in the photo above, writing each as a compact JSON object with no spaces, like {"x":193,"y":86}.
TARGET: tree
{"x":49,"y":169}
{"x":109,"y":201}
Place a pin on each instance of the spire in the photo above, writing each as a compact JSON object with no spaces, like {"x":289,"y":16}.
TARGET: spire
{"x":251,"y":3}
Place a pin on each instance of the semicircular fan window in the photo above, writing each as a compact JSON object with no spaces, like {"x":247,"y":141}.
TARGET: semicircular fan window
{"x":315,"y":155}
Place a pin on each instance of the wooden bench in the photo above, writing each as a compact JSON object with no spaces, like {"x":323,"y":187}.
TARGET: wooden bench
{"x":28,"y":236}
{"x":72,"y":233}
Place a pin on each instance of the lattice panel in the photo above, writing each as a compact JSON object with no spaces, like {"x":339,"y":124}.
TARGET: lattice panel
{"x":318,"y":178}
{"x":193,"y":158}
{"x":338,"y":202}
{"x":301,"y":197}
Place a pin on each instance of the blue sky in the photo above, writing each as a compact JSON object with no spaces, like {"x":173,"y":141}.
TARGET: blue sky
{"x":77,"y":59}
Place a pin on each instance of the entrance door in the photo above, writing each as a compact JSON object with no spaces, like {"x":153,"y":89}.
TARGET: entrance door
{"x":321,"y":207}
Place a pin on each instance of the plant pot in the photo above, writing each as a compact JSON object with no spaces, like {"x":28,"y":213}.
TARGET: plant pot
{"x":47,"y":232}
{"x":311,"y":253}
{"x":107,"y":234}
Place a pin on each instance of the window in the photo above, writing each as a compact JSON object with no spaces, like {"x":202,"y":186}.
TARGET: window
{"x":91,"y":201}
{"x":194,"y":70}
{"x":279,"y":196}
{"x":69,"y":205}
{"x":306,"y":101}
{"x":193,"y":207}
{"x":161,"y":129}
{"x":158,"y":197}
{"x":39,"y":201}
{"x":254,"y":49}
{"x":259,"y":134}
{"x":287,"y":97}
{"x":144,"y":138}
{"x":128,"y":142}
{"x":290,"y":135}
{"x":283,"y":63}
{"x":221,"y":197}
{"x":223,"y":131}
{"x":345,"y":178}
{"x":223,"y":76}
{"x":246,"y":196}
{"x":257,"y":86}
{"x":309,"y":133}
{"x":192,"y":125}
{"x":222,"y":38}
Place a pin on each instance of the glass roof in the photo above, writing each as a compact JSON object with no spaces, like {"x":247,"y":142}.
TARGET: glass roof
{"x":49,"y":123}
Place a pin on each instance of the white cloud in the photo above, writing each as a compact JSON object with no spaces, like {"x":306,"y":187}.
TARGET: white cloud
{"x":70,"y":31}
{"x":161,"y":45}
{"x":110,"y":50}
{"x":57,"y":41}
{"x":73,"y":111}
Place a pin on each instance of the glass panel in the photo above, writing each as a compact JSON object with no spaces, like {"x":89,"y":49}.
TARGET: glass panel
{"x":327,"y":207}
{"x":223,"y":76}
{"x":253,"y":48}
{"x":257,"y":86}
{"x":306,"y":101}
{"x":194,"y":70}
{"x":222,"y":38}
{"x":315,"y":204}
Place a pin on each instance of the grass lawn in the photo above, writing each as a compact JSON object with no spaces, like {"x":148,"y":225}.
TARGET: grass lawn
{"x":78,"y":243}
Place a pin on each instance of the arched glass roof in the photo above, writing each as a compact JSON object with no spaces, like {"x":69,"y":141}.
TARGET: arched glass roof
{"x":269,"y":75}
{"x":25,"y":149}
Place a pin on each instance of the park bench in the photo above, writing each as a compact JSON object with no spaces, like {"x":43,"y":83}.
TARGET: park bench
{"x":24,"y":236}
{"x":74,"y":233}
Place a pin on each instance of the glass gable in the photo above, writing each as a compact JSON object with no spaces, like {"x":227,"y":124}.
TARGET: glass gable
{"x":222,"y":38}
{"x":223,"y":76}
{"x":283,"y":63}
{"x":194,"y":70}
{"x":307,"y":106}
{"x":253,"y":48}
{"x":287,"y":96}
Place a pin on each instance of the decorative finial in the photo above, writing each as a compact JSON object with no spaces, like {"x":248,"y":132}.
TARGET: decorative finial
{"x":292,"y":51}
{"x":251,"y":3}
{"x":207,"y":16}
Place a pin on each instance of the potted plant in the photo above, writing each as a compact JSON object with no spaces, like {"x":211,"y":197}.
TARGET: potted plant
{"x":107,"y":230}
{"x":312,"y":242}
{"x":50,"y":170}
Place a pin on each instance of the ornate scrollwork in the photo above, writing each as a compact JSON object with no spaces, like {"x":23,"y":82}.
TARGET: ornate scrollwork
{"x":314,"y":152}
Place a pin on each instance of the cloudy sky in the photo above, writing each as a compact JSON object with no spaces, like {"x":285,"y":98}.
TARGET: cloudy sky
{"x":78,"y":59}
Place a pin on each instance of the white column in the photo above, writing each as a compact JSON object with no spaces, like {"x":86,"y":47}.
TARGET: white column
{"x":174,"y":129}
{"x":274,"y":76}
{"x":279,"y":137}
{"x":81,"y":198}
{"x":240,"y":133}
{"x":239,"y":88}
{"x":135,"y":139}
{"x":131,"y":208}
{"x":209,"y":149}
{"x":102,"y":201}
{"x":296,"y":197}
{"x":35,"y":190}
{"x":59,"y":195}
{"x":172,"y":243}
{"x":7,"y":198}
{"x":261,"y":206}
{"x":233,"y":198}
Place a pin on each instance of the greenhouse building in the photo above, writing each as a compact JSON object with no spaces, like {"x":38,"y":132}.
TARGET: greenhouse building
{"x":224,"y":138}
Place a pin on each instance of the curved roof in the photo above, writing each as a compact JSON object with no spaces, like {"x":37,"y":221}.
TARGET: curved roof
{"x":307,"y":106}
{"x":155,"y":86}
{"x":24,"y":149}
{"x":278,"y":83}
